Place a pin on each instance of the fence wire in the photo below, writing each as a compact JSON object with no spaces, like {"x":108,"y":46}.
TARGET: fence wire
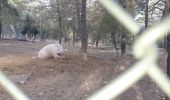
{"x":12,"y":88}
{"x":144,"y":49}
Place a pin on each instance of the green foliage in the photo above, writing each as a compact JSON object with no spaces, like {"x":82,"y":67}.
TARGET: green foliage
{"x":28,"y":24}
{"x":8,"y":11}
{"x":34,"y":30}
{"x":29,"y":27}
{"x":108,"y":25}
{"x":11,"y":10}
{"x":44,"y":34}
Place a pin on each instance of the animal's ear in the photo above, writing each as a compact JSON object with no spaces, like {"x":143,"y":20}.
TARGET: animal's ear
{"x":65,"y":50}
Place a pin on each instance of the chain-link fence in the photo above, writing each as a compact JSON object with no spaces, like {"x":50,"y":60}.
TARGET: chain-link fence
{"x":144,"y":50}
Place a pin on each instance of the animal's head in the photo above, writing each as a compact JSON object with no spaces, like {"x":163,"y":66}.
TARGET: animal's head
{"x":62,"y":53}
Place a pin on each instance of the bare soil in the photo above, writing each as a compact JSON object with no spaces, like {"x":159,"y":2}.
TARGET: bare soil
{"x":71,"y":78}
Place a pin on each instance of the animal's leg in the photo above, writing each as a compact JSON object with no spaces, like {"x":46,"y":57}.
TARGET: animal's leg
{"x":57,"y":57}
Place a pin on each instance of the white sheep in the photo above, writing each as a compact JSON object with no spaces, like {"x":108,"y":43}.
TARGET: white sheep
{"x":55,"y":51}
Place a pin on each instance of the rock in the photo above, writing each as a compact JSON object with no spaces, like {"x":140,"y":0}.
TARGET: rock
{"x":21,"y":82}
{"x":86,"y":83}
{"x":41,"y":93}
{"x":105,"y":82}
{"x":87,"y":88}
{"x":86,"y":95}
{"x":20,"y":79}
{"x":51,"y":69}
{"x":96,"y":70}
{"x":52,"y":89}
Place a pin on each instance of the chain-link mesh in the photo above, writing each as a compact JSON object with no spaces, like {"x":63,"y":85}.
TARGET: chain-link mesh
{"x":143,"y":50}
{"x":12,"y":88}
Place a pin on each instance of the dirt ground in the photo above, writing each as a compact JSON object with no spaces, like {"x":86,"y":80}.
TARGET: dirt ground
{"x":70,"y":78}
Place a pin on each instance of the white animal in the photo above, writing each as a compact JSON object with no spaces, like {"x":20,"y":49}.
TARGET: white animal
{"x":55,"y":51}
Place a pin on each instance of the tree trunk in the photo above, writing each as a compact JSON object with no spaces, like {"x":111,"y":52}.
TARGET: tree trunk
{"x":41,"y":33}
{"x":123,"y":36}
{"x":97,"y":42}
{"x":0,"y":28}
{"x":0,"y":19}
{"x":60,"y":23}
{"x":165,"y":42}
{"x":146,"y":14}
{"x":83,"y":30}
{"x":165,"y":13}
{"x":123,"y":44}
{"x":74,"y":37}
{"x":78,"y":18}
{"x":168,"y":58}
{"x":114,"y":43}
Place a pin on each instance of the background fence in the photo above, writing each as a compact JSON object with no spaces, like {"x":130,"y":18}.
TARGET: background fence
{"x":144,"y":50}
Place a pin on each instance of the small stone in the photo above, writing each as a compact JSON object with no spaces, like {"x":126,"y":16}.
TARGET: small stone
{"x":21,"y":82}
{"x":157,"y":91}
{"x":86,"y":83}
{"x":20,"y":79}
{"x":52,"y":89}
{"x":51,"y":69}
{"x":87,"y":88}
{"x":85,"y":95}
{"x":96,"y":70}
{"x":105,"y":82}
{"x":41,"y":93}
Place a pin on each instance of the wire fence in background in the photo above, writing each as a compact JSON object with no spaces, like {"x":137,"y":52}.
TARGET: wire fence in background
{"x":144,"y":49}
